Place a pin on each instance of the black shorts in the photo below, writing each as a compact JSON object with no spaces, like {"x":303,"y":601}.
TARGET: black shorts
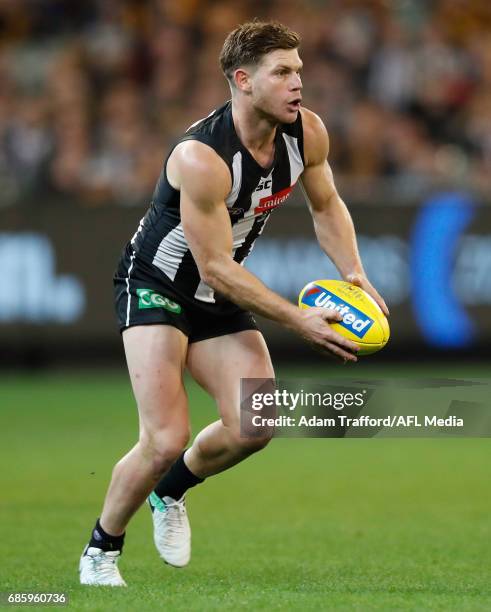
{"x":145,"y":300}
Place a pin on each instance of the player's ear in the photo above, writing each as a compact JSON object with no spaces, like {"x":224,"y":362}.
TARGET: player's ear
{"x":242,"y":80}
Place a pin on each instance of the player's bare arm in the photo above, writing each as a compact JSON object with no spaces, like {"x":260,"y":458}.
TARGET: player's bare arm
{"x":204,"y":182}
{"x":332,"y":222}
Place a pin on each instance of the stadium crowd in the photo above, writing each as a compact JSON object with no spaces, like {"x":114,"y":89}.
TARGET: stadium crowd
{"x":93,"y":92}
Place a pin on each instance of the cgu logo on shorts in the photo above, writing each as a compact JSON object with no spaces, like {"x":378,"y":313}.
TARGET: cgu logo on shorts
{"x":353,"y":319}
{"x":147,"y":298}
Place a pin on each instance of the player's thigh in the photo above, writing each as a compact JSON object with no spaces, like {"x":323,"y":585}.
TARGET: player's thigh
{"x":156,"y":356}
{"x":218,"y":364}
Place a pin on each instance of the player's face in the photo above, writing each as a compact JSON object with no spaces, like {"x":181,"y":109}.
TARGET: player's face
{"x":277,"y":86}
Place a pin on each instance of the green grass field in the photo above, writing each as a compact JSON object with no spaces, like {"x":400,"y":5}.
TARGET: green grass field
{"x":340,"y":524}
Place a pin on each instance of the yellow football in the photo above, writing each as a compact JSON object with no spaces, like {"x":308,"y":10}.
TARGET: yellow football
{"x":363,"y":321}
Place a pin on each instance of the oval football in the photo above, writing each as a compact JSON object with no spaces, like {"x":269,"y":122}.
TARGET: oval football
{"x":363,"y":321}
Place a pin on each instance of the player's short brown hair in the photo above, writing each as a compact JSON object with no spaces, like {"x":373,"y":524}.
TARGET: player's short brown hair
{"x":248,"y":43}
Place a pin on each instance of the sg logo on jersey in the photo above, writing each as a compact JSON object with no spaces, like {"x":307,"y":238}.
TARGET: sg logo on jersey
{"x":151,"y":299}
{"x":264,"y":185}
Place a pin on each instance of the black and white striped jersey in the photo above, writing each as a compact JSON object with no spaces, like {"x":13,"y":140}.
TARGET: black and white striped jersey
{"x":160,"y":243}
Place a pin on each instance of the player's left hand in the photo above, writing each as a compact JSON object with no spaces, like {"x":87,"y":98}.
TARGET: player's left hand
{"x":362,"y":281}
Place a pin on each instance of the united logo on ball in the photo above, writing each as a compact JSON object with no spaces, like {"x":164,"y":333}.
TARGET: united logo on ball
{"x":363,"y":320}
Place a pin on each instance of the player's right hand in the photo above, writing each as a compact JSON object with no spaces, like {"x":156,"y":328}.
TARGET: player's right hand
{"x":313,"y":327}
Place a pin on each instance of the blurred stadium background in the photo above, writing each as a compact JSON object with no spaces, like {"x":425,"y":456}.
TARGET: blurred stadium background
{"x":92,"y":94}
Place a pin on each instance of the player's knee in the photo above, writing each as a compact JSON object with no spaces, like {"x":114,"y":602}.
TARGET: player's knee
{"x":251,"y":444}
{"x":164,"y":447}
{"x":256,"y":444}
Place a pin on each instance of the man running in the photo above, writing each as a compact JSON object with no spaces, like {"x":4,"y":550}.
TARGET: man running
{"x":184,"y":299}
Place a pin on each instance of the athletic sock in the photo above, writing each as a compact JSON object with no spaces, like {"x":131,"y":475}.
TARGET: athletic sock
{"x":104,"y":541}
{"x":177,"y":480}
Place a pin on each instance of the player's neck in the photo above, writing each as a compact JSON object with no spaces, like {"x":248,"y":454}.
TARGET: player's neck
{"x":256,"y":133}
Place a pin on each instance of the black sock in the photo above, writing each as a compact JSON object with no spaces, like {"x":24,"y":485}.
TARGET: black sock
{"x":177,"y":480}
{"x":101,"y":539}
